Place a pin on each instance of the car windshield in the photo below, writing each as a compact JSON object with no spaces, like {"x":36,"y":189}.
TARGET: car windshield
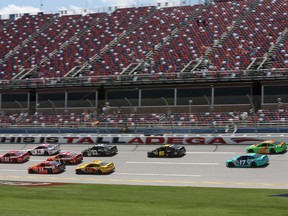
{"x":51,"y":146}
{"x":174,"y":146}
{"x":103,"y":163}
{"x":257,"y":156}
{"x":17,"y":153}
{"x":55,"y":163}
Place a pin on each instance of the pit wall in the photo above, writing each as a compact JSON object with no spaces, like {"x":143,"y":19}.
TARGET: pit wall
{"x":141,"y":139}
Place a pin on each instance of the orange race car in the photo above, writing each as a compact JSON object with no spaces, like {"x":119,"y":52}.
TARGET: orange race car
{"x":47,"y":167}
{"x":69,"y":158}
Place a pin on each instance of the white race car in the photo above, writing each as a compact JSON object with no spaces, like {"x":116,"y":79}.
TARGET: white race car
{"x":45,"y":149}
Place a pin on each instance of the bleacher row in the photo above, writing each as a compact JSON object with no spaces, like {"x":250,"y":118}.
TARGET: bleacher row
{"x":91,"y":119}
{"x":157,"y":41}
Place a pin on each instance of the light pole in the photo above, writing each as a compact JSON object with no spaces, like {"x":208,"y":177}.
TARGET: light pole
{"x":211,"y":108}
{"x":279,"y":104}
{"x":21,"y":109}
{"x":253,"y":113}
{"x":20,"y":106}
{"x":55,"y":113}
{"x":190,"y":107}
{"x":105,"y":110}
{"x":168,"y":113}
{"x":41,"y":5}
{"x":133,"y":110}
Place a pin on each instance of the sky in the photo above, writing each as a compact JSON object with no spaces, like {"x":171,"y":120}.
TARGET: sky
{"x":34,"y":6}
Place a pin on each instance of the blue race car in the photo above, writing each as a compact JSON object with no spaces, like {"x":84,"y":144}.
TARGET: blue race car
{"x":248,"y":160}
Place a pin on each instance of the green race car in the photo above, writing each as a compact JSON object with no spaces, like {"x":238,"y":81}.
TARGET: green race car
{"x":268,"y":147}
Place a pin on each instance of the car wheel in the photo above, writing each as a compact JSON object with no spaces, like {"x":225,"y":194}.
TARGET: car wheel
{"x":99,"y":172}
{"x":30,"y":171}
{"x":250,"y":151}
{"x":230,"y":164}
{"x":46,"y":153}
{"x":78,"y":172}
{"x":85,"y":154}
{"x":253,"y":164}
{"x":49,"y":171}
{"x":29,"y":152}
{"x":272,"y":151}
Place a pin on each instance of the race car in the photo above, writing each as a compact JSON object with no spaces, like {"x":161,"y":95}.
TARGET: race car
{"x":248,"y":160}
{"x":69,"y":158}
{"x":167,"y":150}
{"x":14,"y":157}
{"x":47,"y":167}
{"x":100,"y":150}
{"x":95,"y":167}
{"x":268,"y":147}
{"x":45,"y":149}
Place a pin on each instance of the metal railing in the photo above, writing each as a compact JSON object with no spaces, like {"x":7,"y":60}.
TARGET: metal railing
{"x":231,"y":75}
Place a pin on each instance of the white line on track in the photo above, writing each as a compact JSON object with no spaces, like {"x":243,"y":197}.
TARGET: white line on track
{"x":37,"y":160}
{"x":210,"y":153}
{"x":169,"y":163}
{"x":10,"y":170}
{"x":152,"y":174}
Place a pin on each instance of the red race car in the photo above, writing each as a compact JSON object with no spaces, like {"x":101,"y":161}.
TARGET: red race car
{"x":47,"y":167}
{"x":69,"y":158}
{"x":14,"y":157}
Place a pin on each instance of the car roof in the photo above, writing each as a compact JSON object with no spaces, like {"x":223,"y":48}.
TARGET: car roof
{"x":50,"y":162}
{"x":65,"y":153}
{"x":268,"y":141}
{"x":250,"y":154}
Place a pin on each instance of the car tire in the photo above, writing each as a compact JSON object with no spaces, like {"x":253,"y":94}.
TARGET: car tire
{"x":30,"y":171}
{"x":30,"y":153}
{"x":78,"y":172}
{"x":100,"y":172}
{"x":253,"y":164}
{"x":230,"y":164}
{"x":272,"y":151}
{"x":250,"y":151}
{"x":46,"y":153}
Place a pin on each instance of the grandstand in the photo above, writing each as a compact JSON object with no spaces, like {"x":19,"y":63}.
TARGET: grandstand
{"x":219,"y":65}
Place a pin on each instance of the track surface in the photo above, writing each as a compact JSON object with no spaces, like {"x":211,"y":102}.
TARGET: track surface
{"x":202,"y":166}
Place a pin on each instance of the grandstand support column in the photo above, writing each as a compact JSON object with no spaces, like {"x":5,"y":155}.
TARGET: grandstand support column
{"x":253,"y":113}
{"x":190,"y":111}
{"x":279,"y":104}
{"x":168,"y":113}
{"x":133,"y":111}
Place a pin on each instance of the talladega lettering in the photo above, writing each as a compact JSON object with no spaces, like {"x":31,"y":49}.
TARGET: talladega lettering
{"x":115,"y":140}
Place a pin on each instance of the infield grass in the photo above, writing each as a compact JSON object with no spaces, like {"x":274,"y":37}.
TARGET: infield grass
{"x":118,"y":200}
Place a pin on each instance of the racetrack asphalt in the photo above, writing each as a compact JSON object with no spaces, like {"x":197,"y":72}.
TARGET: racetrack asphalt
{"x":202,"y":166}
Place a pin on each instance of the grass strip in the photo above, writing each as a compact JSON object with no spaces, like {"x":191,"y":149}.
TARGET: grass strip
{"x":123,"y":200}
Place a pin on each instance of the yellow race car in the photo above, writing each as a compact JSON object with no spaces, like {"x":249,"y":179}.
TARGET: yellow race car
{"x":95,"y":167}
